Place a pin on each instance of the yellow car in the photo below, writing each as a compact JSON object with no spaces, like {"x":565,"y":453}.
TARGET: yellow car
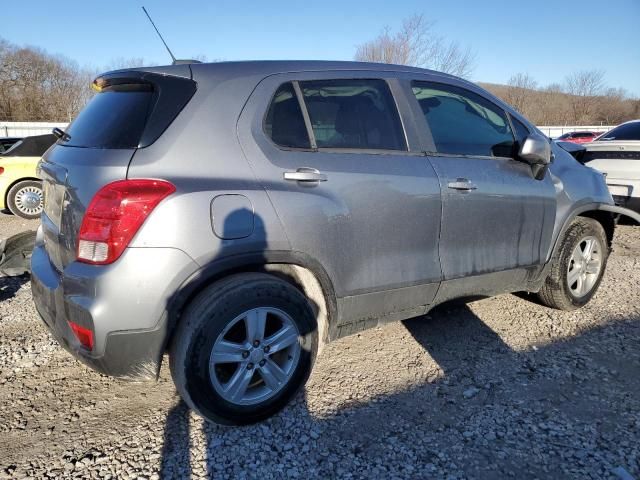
{"x":20,"y":188}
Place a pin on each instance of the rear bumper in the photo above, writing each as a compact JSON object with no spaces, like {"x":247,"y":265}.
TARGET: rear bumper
{"x":124,"y":304}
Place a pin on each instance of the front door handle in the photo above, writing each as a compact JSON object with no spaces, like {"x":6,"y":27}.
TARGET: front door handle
{"x":305,"y":174}
{"x":462,"y":184}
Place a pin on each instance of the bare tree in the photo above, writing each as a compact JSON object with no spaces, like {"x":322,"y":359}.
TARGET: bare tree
{"x":551,"y":105}
{"x":614,"y":107}
{"x":519,"y":92}
{"x":584,"y":87}
{"x":35,"y":85}
{"x":417,"y":44}
{"x":120,"y":63}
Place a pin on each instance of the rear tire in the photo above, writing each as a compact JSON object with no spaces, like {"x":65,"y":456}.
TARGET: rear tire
{"x":577,"y":267}
{"x":25,"y":199}
{"x":257,"y":376}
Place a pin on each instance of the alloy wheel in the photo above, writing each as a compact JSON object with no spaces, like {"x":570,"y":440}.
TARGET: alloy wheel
{"x":255,"y":356}
{"x":584,"y":266}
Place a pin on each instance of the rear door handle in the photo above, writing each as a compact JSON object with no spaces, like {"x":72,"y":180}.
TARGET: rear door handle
{"x":462,"y":184}
{"x":305,"y":174}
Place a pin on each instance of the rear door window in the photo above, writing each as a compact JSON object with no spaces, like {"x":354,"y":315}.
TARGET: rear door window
{"x":113,"y":118}
{"x":463,"y":122}
{"x":353,"y":114}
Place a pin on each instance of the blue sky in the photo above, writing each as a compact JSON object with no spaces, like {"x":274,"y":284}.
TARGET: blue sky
{"x":546,"y":38}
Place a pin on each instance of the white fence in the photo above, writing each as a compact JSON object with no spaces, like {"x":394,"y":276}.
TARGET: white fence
{"x":25,"y":129}
{"x":556,"y":131}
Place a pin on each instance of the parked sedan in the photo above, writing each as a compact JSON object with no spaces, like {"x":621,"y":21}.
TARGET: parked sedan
{"x":617,"y":154}
{"x":20,"y":188}
{"x":578,"y":137}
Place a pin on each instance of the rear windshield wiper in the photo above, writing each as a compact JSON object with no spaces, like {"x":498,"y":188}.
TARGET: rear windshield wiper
{"x":61,"y":134}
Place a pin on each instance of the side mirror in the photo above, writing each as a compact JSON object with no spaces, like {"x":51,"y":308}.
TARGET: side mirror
{"x":536,"y":150}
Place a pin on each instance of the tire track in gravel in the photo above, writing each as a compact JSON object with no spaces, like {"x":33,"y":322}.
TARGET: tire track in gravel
{"x":500,"y":387}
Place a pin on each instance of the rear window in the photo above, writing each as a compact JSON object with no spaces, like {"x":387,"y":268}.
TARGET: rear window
{"x":112,"y":119}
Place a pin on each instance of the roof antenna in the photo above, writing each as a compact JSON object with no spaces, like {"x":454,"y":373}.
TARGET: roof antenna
{"x":158,"y":32}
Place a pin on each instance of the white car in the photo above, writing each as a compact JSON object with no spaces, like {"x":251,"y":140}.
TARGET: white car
{"x":617,"y":154}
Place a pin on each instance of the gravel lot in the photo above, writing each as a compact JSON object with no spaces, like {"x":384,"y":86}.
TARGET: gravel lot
{"x":495,"y":388}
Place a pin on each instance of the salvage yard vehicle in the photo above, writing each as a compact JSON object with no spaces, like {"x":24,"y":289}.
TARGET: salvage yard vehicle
{"x":617,"y":154}
{"x":20,"y":187}
{"x":7,"y":142}
{"x":239,"y":215}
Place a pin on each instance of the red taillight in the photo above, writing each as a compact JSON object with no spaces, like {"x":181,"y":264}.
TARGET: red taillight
{"x":84,"y":335}
{"x":1,"y":170}
{"x":114,"y":216}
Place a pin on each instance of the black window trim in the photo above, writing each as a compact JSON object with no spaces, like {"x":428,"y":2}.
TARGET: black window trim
{"x":511,"y":118}
{"x":312,"y":139}
{"x":305,"y":115}
{"x":463,"y":155}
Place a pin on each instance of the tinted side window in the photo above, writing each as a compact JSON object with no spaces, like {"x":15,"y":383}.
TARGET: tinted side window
{"x":284,"y":123}
{"x":462,"y":122}
{"x":353,"y":114}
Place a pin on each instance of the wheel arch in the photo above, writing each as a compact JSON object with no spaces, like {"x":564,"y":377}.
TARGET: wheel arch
{"x":591,"y":210}
{"x":298,"y":269}
{"x":604,"y":218}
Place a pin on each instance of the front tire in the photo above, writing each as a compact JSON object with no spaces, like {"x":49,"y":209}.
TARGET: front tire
{"x":243,"y":348}
{"x":25,"y":199}
{"x":577,"y":266}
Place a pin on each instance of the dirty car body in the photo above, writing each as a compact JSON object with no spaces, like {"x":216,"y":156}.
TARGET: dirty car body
{"x":288,"y":169}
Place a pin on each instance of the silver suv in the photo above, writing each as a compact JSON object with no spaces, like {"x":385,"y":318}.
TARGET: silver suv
{"x":240,"y":215}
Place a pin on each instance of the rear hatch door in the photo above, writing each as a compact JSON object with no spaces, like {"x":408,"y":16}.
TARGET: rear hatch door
{"x":131,"y":110}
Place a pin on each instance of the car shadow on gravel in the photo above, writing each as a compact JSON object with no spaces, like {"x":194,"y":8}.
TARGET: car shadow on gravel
{"x":554,"y":410}
{"x":9,"y":286}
